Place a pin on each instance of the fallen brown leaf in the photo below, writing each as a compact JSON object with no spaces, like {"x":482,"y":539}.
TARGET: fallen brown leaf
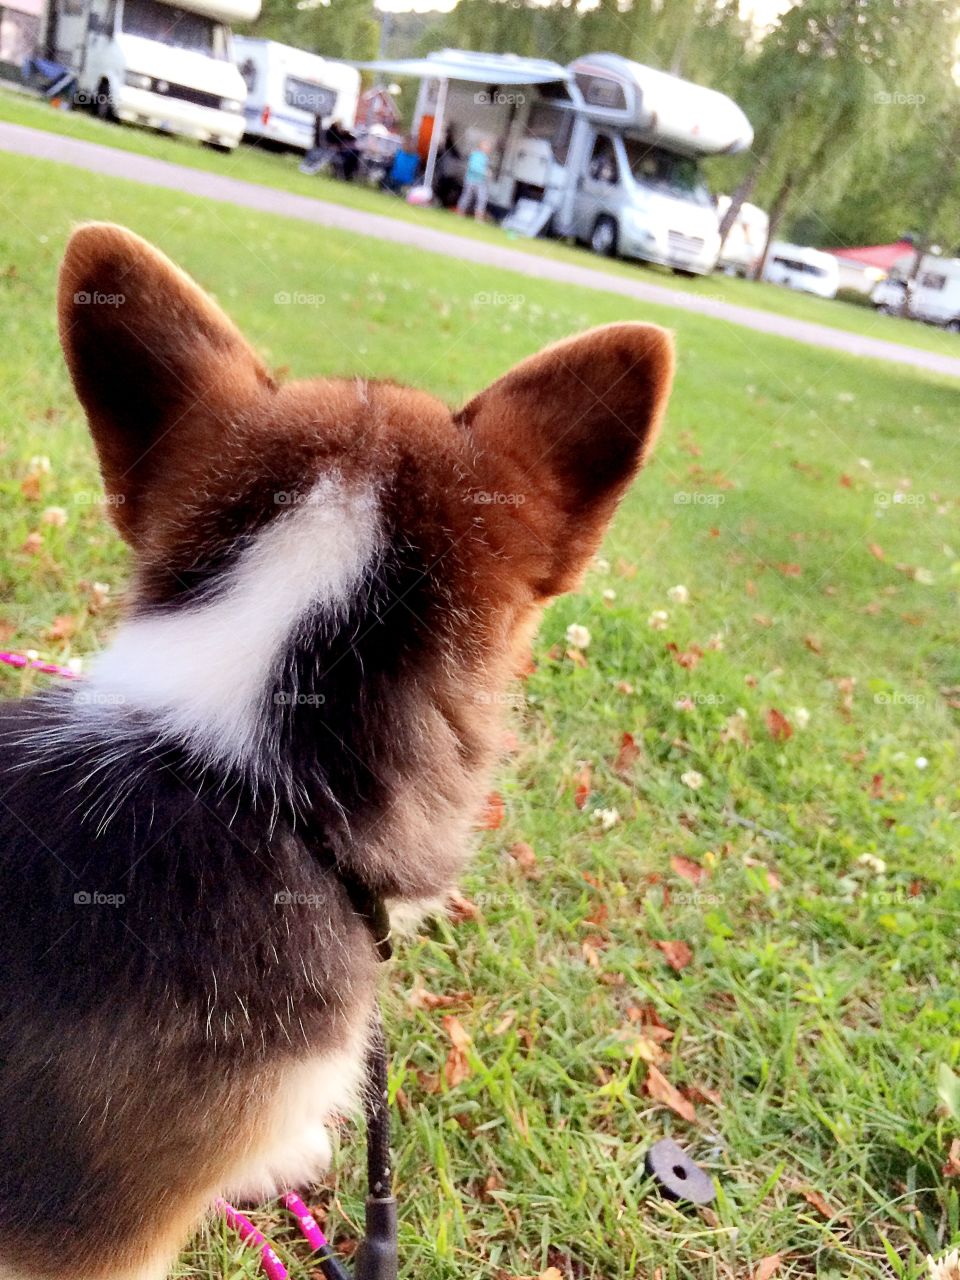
{"x":628,"y":755}
{"x":778,"y":726}
{"x":494,"y":811}
{"x":460,"y":908}
{"x":768,"y":1266}
{"x":819,"y":1202}
{"x":582,"y":782}
{"x":676,"y":953}
{"x":661,"y":1090}
{"x":688,"y":869}
{"x":457,"y":1067}
{"x":524,"y":856}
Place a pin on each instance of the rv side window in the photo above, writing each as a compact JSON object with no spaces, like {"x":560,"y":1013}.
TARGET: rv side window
{"x":603,"y":161}
{"x":931,"y":280}
{"x":552,"y":124}
{"x":306,"y":96}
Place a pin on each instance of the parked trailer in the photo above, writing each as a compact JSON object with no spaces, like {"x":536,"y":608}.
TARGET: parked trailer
{"x":288,"y":88}
{"x":146,"y":62}
{"x":798,"y":267}
{"x":606,"y":151}
{"x":932,"y":294}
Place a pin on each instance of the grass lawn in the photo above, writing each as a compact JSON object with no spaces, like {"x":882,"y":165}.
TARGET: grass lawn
{"x":787,"y":798}
{"x":274,"y":169}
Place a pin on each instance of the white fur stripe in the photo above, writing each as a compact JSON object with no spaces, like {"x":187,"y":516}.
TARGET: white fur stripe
{"x":203,"y":670}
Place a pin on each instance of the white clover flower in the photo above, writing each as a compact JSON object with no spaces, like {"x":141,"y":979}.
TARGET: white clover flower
{"x":40,"y":464}
{"x":923,"y":576}
{"x":692,"y":779}
{"x":921,"y":762}
{"x":601,"y":565}
{"x":801,"y":717}
{"x":578,"y":637}
{"x":945,"y":1268}
{"x":607,"y":818}
{"x":872,"y":863}
{"x":56,"y":516}
{"x":609,"y":595}
{"x":679,"y":594}
{"x":658,"y":620}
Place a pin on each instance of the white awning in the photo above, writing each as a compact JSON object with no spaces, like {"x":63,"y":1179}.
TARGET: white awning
{"x":474,"y":68}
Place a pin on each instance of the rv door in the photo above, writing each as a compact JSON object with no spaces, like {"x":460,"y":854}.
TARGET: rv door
{"x":70,"y":32}
{"x":597,"y":187}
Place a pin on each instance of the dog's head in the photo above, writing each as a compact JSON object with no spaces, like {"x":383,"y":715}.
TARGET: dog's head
{"x":337,"y":572}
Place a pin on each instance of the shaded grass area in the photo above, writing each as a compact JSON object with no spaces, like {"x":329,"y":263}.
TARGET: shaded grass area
{"x":277,"y":169}
{"x":808,"y":503}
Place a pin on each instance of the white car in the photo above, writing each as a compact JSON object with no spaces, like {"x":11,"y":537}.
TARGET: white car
{"x":807,"y":270}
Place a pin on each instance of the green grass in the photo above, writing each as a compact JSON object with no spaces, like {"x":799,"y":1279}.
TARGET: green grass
{"x":822,"y":998}
{"x":274,"y":169}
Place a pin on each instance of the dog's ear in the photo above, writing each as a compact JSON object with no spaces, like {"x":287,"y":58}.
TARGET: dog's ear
{"x":565,"y":432}
{"x":157,"y":366}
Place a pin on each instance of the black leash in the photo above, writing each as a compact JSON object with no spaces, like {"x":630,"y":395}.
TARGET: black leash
{"x":377,"y":1253}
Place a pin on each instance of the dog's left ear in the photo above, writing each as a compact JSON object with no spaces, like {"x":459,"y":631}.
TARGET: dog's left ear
{"x":564,"y":433}
{"x":158,"y":367}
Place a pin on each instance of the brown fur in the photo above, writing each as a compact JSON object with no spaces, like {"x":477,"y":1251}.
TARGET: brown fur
{"x":497,"y":508}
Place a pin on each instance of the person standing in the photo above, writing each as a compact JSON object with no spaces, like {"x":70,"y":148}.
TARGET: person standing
{"x":474,"y":194}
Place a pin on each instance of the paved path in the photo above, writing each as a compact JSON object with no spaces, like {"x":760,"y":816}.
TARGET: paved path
{"x":161,"y":173}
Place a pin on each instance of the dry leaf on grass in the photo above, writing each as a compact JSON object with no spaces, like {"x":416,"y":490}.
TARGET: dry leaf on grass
{"x":688,"y":869}
{"x":676,"y":953}
{"x":768,"y":1266}
{"x":582,"y":783}
{"x":628,"y":755}
{"x":661,"y":1090}
{"x":457,"y":1067}
{"x":778,"y":726}
{"x":494,"y":811}
{"x":524,"y":856}
{"x":460,"y":908}
{"x":421,"y":998}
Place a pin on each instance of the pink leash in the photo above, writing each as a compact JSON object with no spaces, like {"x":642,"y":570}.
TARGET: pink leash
{"x":251,"y":1235}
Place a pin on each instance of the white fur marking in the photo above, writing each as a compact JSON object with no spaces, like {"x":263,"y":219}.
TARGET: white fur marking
{"x":203,"y":670}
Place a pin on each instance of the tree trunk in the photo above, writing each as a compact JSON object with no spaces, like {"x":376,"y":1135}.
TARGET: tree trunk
{"x":777,"y":211}
{"x":743,"y":192}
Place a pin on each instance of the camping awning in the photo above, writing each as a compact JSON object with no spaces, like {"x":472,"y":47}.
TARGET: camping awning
{"x":474,"y":68}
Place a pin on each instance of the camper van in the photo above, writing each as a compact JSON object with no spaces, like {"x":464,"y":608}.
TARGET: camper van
{"x":288,"y":88}
{"x":605,"y":151}
{"x":746,"y":239}
{"x":165,"y":66}
{"x":934,"y":292}
{"x":797,"y":267}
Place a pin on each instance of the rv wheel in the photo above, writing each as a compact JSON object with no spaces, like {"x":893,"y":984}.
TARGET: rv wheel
{"x":953,"y":326}
{"x":103,"y":104}
{"x":604,"y":238}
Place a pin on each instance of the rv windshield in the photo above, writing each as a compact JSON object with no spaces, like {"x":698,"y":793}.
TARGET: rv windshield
{"x":665,"y":171}
{"x":178,"y":27}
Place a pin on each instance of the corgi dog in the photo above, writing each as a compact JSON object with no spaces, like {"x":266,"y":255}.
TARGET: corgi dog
{"x":332,"y":581}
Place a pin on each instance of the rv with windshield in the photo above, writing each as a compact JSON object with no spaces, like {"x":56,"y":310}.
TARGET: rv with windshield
{"x":165,"y":66}
{"x":605,"y":151}
{"x":799,"y":267}
{"x":288,"y":88}
{"x":931,"y":294}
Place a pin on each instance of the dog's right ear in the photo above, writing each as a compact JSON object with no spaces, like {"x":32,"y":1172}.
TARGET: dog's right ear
{"x":158,"y":367}
{"x":565,"y":432}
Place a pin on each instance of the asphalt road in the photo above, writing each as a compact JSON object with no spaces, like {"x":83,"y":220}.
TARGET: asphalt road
{"x":196,"y":182}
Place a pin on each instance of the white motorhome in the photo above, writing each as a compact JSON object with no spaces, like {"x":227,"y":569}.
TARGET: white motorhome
{"x":606,"y":151}
{"x":798,"y":267}
{"x":934,"y":292}
{"x":165,"y":66}
{"x":288,"y":88}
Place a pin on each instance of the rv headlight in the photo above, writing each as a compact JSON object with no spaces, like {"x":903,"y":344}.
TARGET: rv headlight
{"x":231,"y":104}
{"x":137,"y":80}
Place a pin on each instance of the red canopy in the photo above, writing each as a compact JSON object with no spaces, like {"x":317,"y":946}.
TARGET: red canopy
{"x":883,"y":256}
